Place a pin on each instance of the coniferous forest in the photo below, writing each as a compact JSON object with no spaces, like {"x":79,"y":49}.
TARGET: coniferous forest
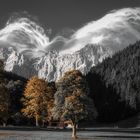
{"x":111,"y":91}
{"x":115,"y":85}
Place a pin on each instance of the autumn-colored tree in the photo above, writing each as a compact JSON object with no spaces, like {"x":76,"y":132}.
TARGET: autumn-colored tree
{"x":38,"y":99}
{"x":78,"y":106}
{"x":71,"y":100}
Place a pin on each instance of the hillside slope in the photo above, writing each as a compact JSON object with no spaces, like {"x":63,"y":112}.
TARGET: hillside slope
{"x":115,"y":84}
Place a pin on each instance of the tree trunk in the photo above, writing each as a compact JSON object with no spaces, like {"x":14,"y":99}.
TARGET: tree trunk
{"x":43,"y":123}
{"x":4,"y":124}
{"x":36,"y":120}
{"x":74,"y":131}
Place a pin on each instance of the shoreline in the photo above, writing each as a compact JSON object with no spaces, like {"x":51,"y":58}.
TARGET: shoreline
{"x":104,"y":129}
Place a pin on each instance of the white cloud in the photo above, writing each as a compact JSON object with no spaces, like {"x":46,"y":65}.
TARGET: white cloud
{"x":115,"y":30}
{"x":23,"y":35}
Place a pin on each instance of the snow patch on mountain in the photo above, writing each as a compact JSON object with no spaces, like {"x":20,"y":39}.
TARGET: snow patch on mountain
{"x":53,"y":65}
{"x":28,"y":51}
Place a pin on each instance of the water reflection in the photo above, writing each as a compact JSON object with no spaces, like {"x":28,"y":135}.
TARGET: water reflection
{"x":50,"y":135}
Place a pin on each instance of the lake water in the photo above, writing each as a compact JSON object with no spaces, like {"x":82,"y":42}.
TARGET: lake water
{"x":54,"y":135}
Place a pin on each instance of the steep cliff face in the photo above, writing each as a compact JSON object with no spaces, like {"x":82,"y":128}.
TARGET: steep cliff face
{"x":17,"y":63}
{"x":53,"y":65}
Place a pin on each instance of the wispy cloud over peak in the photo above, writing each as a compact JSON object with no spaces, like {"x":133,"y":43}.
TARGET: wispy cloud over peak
{"x":115,"y":30}
{"x":119,"y":28}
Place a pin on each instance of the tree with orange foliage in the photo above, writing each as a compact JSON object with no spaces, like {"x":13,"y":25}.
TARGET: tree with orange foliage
{"x":78,"y":106}
{"x":71,"y":100}
{"x":38,"y":99}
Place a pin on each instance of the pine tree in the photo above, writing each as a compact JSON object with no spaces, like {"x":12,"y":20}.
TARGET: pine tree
{"x":4,"y":97}
{"x":4,"y":104}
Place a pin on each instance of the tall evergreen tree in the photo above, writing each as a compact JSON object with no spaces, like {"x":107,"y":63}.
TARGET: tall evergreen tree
{"x":4,"y":104}
{"x":4,"y":97}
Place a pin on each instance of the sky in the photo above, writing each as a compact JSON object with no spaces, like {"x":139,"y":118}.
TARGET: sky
{"x":62,"y":14}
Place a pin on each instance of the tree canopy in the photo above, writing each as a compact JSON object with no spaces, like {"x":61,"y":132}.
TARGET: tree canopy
{"x":71,"y":100}
{"x":38,"y":99}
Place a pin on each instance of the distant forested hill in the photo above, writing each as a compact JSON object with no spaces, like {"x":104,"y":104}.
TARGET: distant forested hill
{"x":115,"y":84}
{"x":15,"y":86}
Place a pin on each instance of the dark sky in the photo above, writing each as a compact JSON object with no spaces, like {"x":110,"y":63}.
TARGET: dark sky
{"x":59,"y":14}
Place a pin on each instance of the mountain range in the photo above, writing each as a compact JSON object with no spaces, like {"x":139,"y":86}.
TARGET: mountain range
{"x":28,"y":51}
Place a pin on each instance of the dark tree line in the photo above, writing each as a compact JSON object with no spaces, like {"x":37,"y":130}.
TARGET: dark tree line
{"x":115,"y":84}
{"x":12,"y":87}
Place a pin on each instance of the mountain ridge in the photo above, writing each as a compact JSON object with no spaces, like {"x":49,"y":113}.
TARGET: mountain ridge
{"x":28,"y":50}
{"x":52,"y":66}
